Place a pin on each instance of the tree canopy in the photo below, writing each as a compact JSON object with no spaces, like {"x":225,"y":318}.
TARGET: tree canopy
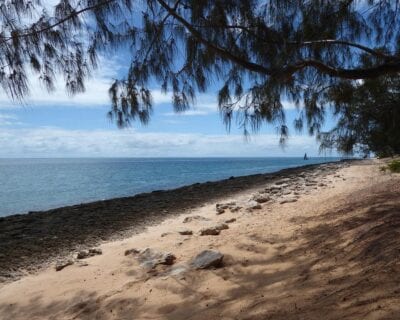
{"x":369,"y":117}
{"x":259,"y":52}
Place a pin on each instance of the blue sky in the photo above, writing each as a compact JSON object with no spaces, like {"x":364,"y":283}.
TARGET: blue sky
{"x":56,"y":125}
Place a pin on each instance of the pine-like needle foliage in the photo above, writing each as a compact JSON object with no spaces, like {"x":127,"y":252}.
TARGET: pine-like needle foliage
{"x":261,"y":52}
{"x":368,"y":117}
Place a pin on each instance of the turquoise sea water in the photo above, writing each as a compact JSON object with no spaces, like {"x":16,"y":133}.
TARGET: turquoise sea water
{"x":40,"y":184}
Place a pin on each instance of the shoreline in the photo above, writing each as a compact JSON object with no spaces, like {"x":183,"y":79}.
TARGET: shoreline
{"x":146,"y":191}
{"x":316,"y":243}
{"x":30,"y":242}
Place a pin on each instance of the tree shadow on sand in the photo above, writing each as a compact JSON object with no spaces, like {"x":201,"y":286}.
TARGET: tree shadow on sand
{"x":343,"y":264}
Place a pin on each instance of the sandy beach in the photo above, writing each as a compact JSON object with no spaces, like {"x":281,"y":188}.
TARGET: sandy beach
{"x":316,"y":242}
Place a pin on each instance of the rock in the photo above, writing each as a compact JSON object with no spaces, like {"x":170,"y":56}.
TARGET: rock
{"x":212,"y":231}
{"x":83,"y":254}
{"x":288,"y":200}
{"x":221,"y":207}
{"x":82,"y":264}
{"x":131,"y":251}
{"x":150,"y":258}
{"x":165,"y":234}
{"x":273,"y":188}
{"x":236,"y":209}
{"x":275,"y":191}
{"x":207,"y":259}
{"x":88,"y":253}
{"x":178,"y":271}
{"x":230,"y":220}
{"x":262,"y":199}
{"x":62,"y":264}
{"x":310,"y":184}
{"x":222,"y":226}
{"x":253,"y":205}
{"x":168,"y":259}
{"x":282,"y":181}
{"x":95,"y":251}
{"x":195,"y":218}
{"x":185,"y":232}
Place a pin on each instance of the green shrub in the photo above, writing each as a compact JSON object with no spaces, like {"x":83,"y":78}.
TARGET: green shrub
{"x":394,"y":166}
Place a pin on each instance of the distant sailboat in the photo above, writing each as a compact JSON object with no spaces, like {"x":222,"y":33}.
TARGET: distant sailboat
{"x":305,"y":156}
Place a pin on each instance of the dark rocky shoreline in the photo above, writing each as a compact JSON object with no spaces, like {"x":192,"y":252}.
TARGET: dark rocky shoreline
{"x":31,"y":241}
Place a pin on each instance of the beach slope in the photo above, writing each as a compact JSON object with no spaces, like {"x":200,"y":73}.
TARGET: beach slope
{"x":312,"y":243}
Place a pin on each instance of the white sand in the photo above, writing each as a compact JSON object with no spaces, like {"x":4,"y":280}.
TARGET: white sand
{"x":275,"y":266}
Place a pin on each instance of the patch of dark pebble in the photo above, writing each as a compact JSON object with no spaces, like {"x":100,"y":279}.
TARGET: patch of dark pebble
{"x":43,"y":237}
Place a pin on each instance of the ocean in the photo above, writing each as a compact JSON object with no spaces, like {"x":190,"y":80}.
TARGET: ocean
{"x":41,"y":184}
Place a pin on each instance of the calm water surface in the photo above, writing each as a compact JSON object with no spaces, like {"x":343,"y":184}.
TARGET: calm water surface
{"x":40,"y":184}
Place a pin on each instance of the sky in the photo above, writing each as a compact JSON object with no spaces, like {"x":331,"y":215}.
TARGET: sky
{"x":57,"y":125}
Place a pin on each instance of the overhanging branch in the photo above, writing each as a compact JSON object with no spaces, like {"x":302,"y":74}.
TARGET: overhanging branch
{"x":356,"y":73}
{"x":392,"y":64}
{"x":223,"y":53}
{"x":350,"y":44}
{"x":59,"y":22}
{"x":353,"y":74}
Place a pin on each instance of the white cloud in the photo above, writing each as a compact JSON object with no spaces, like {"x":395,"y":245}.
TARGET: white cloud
{"x":204,"y":104}
{"x":50,"y":142}
{"x":207,"y":104}
{"x":287,"y":105}
{"x":96,"y":94}
{"x":9,"y":120}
